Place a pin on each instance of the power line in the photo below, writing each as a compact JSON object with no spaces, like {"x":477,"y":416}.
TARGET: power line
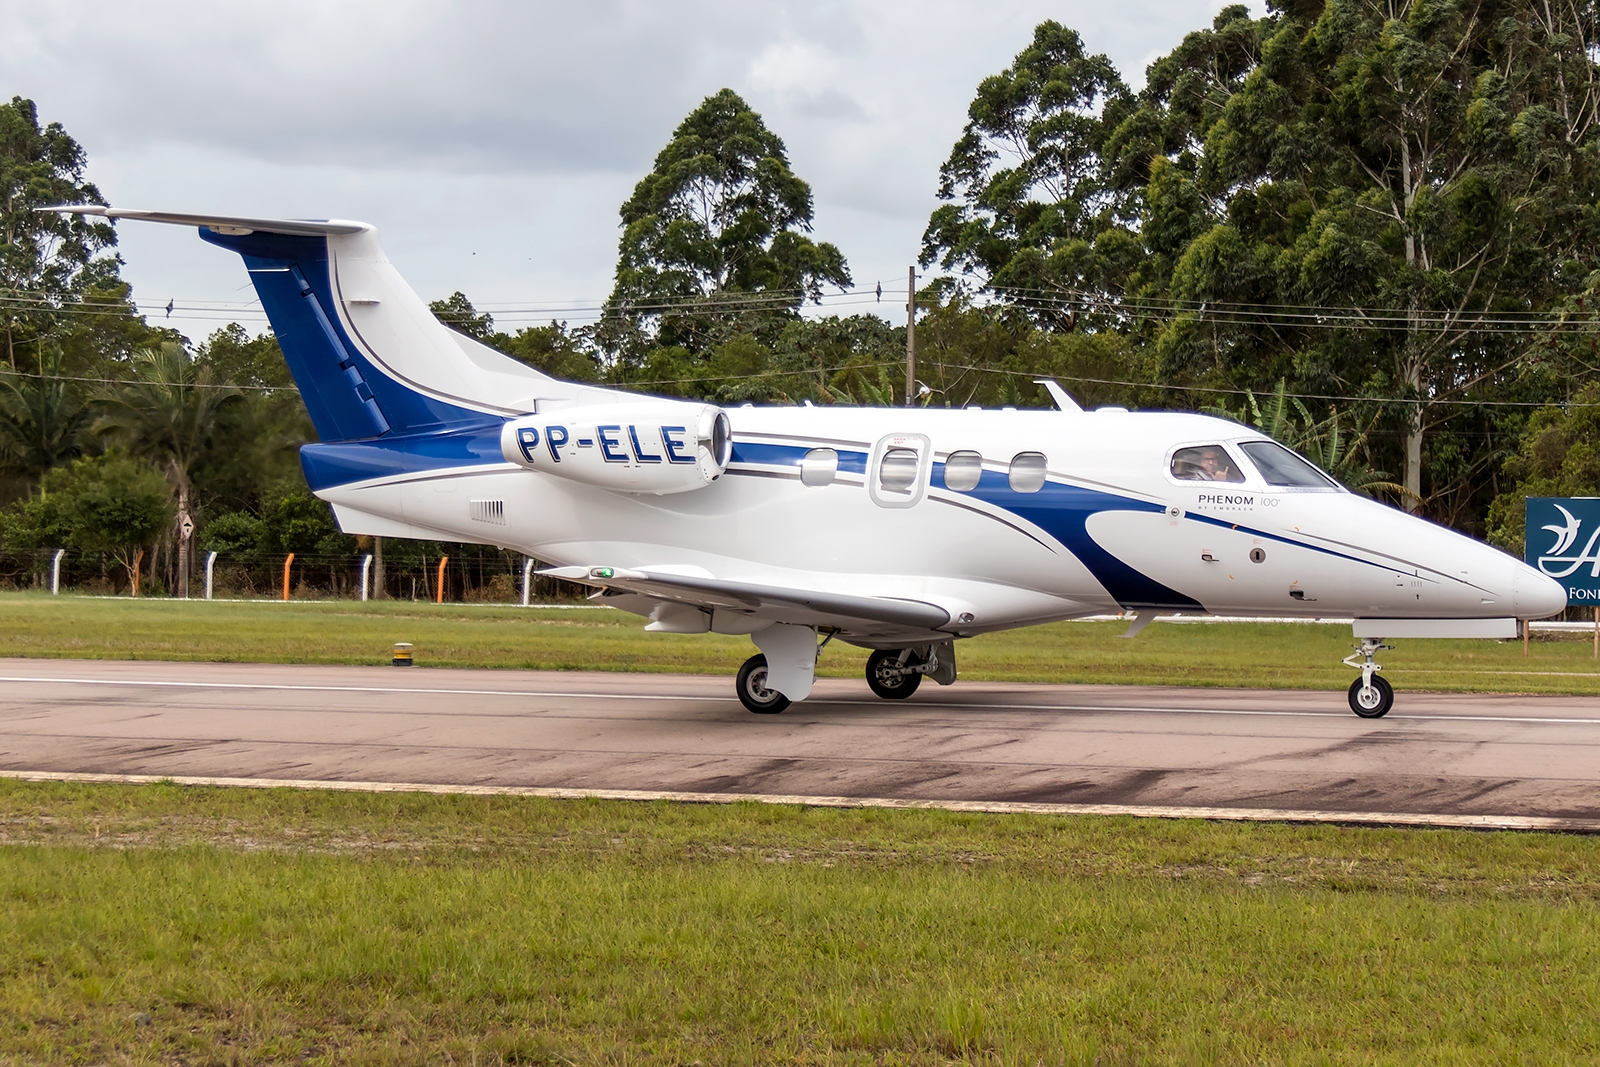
{"x":1307,"y":315}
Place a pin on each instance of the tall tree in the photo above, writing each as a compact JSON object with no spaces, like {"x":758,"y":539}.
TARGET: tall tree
{"x":1419,"y":170}
{"x":168,"y":412}
{"x":47,"y":261}
{"x":720,"y":214}
{"x":1024,"y":186}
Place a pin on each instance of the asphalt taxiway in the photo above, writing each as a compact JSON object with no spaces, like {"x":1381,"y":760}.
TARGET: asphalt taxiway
{"x":1441,"y":759}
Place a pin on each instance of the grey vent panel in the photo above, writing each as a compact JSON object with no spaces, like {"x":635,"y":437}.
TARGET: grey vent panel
{"x":490,"y":511}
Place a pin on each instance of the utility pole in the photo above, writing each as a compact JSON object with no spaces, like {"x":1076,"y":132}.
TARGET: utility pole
{"x":185,"y":536}
{"x":380,"y":590}
{"x":911,"y":335}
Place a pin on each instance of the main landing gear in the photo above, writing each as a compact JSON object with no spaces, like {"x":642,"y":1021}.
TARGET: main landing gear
{"x":1370,"y":696}
{"x":892,"y":674}
{"x":753,"y":691}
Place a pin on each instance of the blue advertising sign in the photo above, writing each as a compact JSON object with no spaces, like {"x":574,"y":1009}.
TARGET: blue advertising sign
{"x":1562,"y":539}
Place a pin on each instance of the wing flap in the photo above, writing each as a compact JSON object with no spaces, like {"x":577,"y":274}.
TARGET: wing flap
{"x":752,"y":596}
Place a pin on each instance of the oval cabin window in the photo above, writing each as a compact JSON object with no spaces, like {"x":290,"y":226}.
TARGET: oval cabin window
{"x":818,"y":467}
{"x":962,"y":471}
{"x":897,"y":471}
{"x":1027,"y":472}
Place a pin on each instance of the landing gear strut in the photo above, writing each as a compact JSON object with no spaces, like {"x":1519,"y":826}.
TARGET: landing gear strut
{"x":1370,"y":696}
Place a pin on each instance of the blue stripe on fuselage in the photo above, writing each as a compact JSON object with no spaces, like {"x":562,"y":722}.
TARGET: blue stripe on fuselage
{"x":769,"y":455}
{"x":1281,"y":539}
{"x":1060,"y":510}
{"x":329,"y":465}
{"x":1063,"y":511}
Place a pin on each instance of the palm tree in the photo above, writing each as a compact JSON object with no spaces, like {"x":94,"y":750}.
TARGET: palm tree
{"x":168,"y":412}
{"x":1323,"y":443}
{"x":43,"y":423}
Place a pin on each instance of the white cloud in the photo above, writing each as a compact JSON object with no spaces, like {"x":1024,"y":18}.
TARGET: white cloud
{"x":514,"y":130}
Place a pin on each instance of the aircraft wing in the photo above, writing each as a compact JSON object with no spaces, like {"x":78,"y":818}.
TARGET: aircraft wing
{"x":780,"y":603}
{"x":230,"y":224}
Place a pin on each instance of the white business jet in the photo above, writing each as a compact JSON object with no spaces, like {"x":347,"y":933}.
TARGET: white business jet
{"x":897,"y":530}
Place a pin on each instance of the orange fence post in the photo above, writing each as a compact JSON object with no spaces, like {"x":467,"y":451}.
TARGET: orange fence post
{"x":442,"y":561}
{"x":138,"y":558}
{"x":287,"y":563}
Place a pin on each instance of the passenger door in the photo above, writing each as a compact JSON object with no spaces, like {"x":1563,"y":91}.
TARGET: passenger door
{"x":897,"y":472}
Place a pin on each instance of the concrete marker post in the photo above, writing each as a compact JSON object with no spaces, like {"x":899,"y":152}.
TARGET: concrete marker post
{"x":55,"y":577}
{"x":211,"y":562}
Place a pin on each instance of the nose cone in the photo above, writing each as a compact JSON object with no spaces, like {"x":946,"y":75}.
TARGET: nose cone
{"x":1535,"y":595}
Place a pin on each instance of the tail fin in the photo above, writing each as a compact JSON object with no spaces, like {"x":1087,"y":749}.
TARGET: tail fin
{"x":332,"y":312}
{"x":368,"y":356}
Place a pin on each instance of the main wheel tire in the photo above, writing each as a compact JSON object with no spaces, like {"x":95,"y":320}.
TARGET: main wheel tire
{"x":885,"y":677}
{"x":1373,"y":702}
{"x":753,"y":691}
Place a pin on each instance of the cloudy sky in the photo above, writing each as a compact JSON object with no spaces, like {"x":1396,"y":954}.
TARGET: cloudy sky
{"x":493,"y":141}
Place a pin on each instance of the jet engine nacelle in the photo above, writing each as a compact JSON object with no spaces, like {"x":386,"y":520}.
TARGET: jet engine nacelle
{"x":653,"y":446}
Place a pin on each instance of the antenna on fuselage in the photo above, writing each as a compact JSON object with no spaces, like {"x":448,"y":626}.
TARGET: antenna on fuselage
{"x":1062,"y":398}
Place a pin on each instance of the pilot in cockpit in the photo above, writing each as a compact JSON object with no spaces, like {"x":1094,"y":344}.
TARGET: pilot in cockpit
{"x":1206,"y":463}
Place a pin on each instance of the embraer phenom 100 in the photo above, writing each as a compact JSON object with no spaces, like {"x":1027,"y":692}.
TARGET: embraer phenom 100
{"x":897,"y":530}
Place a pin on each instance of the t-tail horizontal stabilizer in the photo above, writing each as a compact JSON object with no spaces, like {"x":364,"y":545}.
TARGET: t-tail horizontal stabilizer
{"x":368,"y":356}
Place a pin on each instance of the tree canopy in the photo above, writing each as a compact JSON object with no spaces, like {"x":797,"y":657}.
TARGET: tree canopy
{"x":720,"y":213}
{"x":47,"y":261}
{"x":1370,"y":230}
{"x":1364,"y":201}
{"x":1026,"y":191}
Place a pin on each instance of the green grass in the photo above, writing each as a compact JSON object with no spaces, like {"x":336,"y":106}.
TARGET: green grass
{"x":270,"y":927}
{"x":1278,"y":655}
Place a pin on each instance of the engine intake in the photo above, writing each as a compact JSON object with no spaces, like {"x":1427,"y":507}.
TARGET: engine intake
{"x":655,"y":446}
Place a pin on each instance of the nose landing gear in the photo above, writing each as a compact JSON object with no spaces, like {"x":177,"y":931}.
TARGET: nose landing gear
{"x":1370,"y":696}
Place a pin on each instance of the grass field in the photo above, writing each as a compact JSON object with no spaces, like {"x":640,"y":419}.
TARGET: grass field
{"x":160,"y":924}
{"x":1279,"y":655}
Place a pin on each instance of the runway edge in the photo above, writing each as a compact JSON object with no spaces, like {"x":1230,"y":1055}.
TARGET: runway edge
{"x":1542,"y":823}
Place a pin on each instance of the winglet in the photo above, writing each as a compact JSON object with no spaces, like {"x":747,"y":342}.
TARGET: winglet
{"x":1062,"y":398}
{"x":235,"y":225}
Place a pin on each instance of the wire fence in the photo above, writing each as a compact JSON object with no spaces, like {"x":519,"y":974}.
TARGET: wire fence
{"x":409,"y":571}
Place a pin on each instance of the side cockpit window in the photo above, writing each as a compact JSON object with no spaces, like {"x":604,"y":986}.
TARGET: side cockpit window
{"x":1281,"y":467}
{"x":1205,"y":463}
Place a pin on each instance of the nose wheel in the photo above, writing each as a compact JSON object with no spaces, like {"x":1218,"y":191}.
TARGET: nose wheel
{"x":1370,"y":696}
{"x":1371,"y":700}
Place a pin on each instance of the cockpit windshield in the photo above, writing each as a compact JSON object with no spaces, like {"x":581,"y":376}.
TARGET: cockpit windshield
{"x":1205,"y":463}
{"x":1279,"y":466}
